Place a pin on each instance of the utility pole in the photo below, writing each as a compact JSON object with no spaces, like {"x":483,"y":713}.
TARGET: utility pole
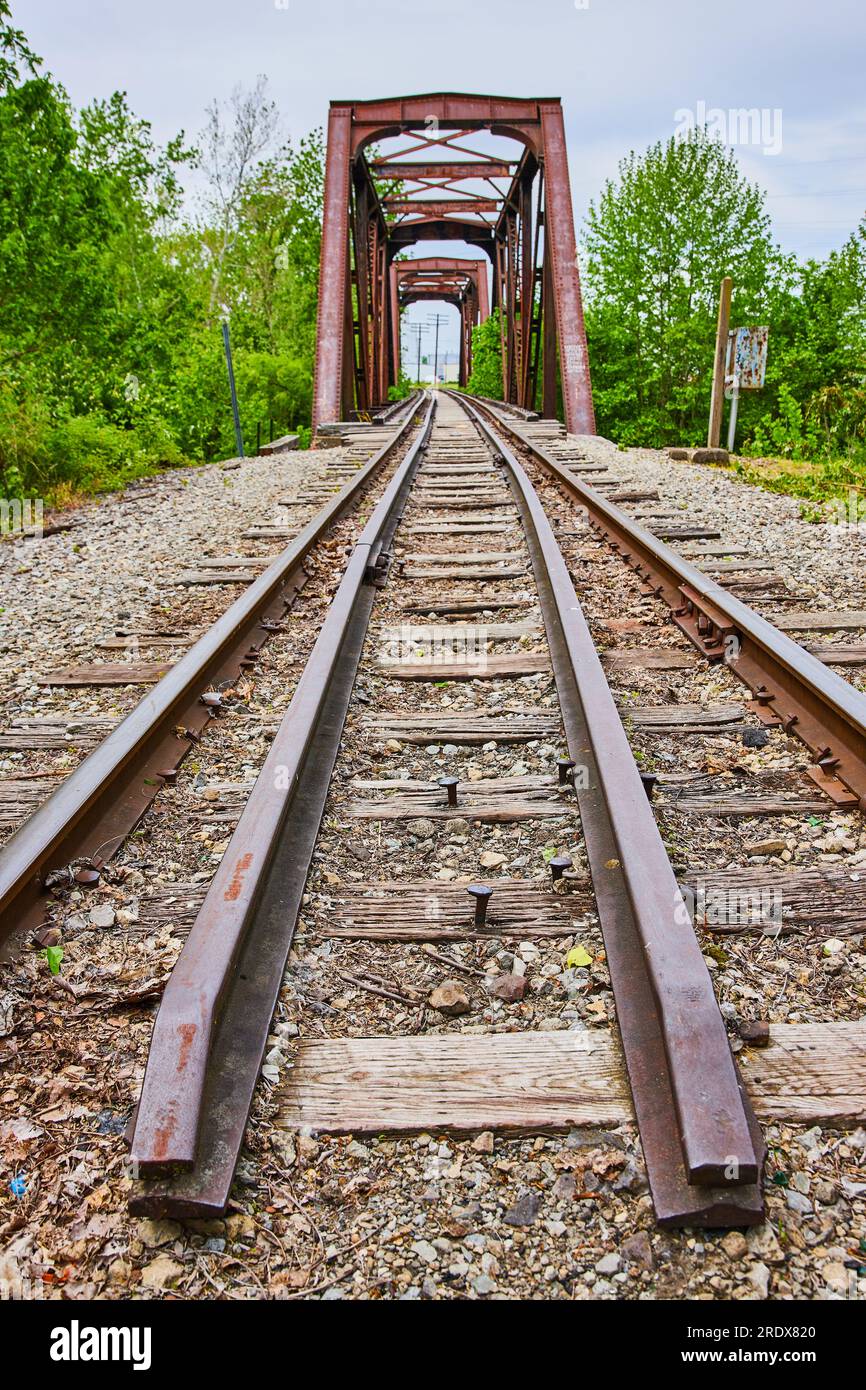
{"x":717,"y":400}
{"x":437,"y":319}
{"x":418,"y":329}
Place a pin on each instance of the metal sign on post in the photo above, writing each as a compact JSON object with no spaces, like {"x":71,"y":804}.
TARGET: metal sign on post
{"x":745,"y":368}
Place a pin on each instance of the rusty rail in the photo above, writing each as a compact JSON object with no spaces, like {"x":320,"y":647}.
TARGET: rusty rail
{"x":213,"y":1021}
{"x":791,"y":687}
{"x":701,"y":1142}
{"x":100,"y":803}
{"x":703,"y":1149}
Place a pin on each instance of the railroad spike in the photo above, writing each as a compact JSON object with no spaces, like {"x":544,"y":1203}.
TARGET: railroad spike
{"x":649,"y":780}
{"x":565,"y":767}
{"x":450,"y":786}
{"x":482,"y":895}
{"x":558,"y":866}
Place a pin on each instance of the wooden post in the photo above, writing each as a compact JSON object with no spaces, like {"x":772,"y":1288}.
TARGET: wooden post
{"x":718,"y":397}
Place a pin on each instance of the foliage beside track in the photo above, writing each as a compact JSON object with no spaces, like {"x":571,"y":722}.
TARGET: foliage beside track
{"x":112,"y":289}
{"x":657,"y":243}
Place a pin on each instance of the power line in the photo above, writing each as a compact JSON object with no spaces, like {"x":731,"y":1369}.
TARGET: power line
{"x":418,"y":329}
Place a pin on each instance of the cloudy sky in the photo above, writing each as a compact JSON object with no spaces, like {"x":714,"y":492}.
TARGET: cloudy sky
{"x":623,"y":68}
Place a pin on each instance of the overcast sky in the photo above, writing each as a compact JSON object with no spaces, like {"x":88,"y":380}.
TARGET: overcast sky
{"x":623,"y":68}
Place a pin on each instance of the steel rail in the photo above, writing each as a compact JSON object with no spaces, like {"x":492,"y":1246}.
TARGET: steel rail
{"x":702,"y":1145}
{"x":100,"y":803}
{"x":215,"y":1014}
{"x":792,"y":688}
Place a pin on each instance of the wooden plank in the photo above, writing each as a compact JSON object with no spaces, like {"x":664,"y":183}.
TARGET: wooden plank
{"x":482,"y":665}
{"x":436,"y":727}
{"x":829,"y":901}
{"x":741,"y":566}
{"x":146,"y":639}
{"x":455,"y":558}
{"x":811,"y":1073}
{"x":448,"y":502}
{"x":634,"y":496}
{"x":683,"y":533}
{"x":839,"y":653}
{"x":447,"y":523}
{"x":57,"y":731}
{"x":514,"y":1082}
{"x":465,"y":572}
{"x":682,"y":718}
{"x":436,"y":911}
{"x":465,"y":603}
{"x":114,"y":673}
{"x":445,"y":632}
{"x":498,"y":799}
{"x":443,"y":528}
{"x":195,"y":577}
{"x":232,"y":562}
{"x":850,"y":620}
{"x":463,"y":482}
{"x":736,"y":804}
{"x":19,"y":797}
{"x":698,"y":550}
{"x":458,"y":470}
{"x":547,"y":1082}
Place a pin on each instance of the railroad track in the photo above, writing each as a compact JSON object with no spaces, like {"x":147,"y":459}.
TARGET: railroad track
{"x":701,"y":1142}
{"x":86,"y":820}
{"x":456,"y":628}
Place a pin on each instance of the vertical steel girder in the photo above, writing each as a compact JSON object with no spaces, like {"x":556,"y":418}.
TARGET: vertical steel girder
{"x":530,"y":241}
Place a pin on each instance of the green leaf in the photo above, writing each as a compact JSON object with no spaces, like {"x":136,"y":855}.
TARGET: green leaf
{"x":53,"y":955}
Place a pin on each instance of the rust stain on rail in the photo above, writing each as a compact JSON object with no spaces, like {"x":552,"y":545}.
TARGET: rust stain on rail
{"x":164,"y":1135}
{"x":187,"y":1032}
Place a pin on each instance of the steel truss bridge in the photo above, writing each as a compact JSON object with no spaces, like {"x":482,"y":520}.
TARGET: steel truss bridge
{"x":440,"y":187}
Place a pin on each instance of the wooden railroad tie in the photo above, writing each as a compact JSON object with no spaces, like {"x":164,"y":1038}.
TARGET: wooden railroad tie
{"x":480,"y":666}
{"x":498,"y":799}
{"x":437,"y":911}
{"x":511,"y":726}
{"x":540,"y":1082}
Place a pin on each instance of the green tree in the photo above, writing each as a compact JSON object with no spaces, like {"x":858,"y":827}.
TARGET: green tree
{"x":815,"y":399}
{"x":486,"y":376}
{"x":658,"y":243}
{"x":15,"y":52}
{"x":111,"y":356}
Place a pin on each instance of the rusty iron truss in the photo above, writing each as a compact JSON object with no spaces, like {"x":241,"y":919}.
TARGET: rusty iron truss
{"x":216,"y":1011}
{"x":791,"y":688}
{"x":458,"y":282}
{"x":517,"y":212}
{"x":89,"y":816}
